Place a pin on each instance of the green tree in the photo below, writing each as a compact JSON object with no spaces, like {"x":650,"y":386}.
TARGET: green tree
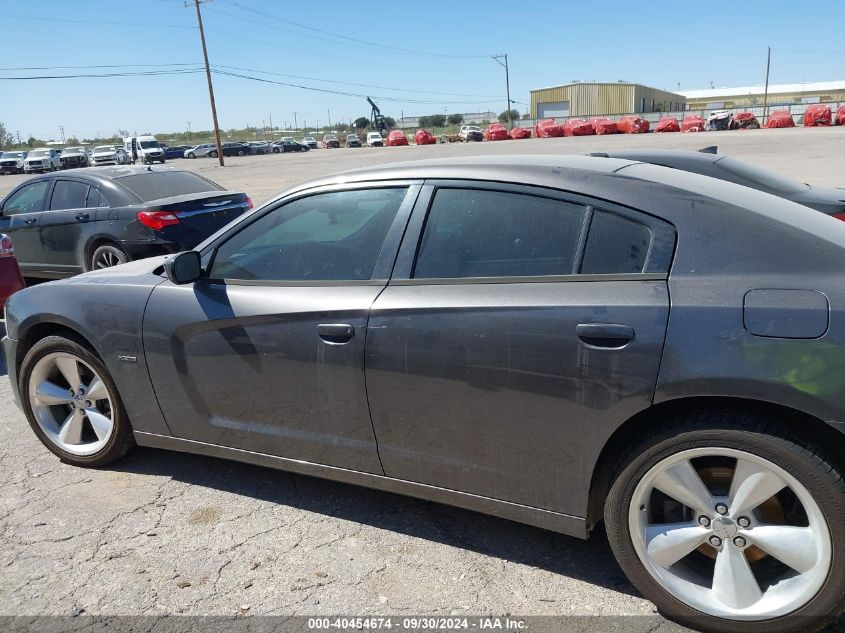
{"x":362,"y":123}
{"x":389,"y":121}
{"x":31,"y":141}
{"x":73,"y":141}
{"x":424,"y":121}
{"x":6,"y":139}
{"x":455,"y":119}
{"x":503,"y":117}
{"x":437,"y":120}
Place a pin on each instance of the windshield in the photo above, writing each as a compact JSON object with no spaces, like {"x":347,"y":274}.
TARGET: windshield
{"x":373,"y":135}
{"x":13,"y":155}
{"x":759,"y":176}
{"x":73,"y":150}
{"x":352,"y":137}
{"x":38,"y":152}
{"x":149,"y":144}
{"x":163,"y":184}
{"x":104,"y":148}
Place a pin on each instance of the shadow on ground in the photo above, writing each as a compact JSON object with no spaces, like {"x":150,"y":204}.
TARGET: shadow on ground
{"x":590,"y":561}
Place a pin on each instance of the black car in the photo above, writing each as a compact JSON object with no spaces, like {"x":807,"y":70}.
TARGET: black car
{"x":353,"y":140}
{"x":232,"y":149}
{"x":289,"y":146}
{"x":64,"y":224}
{"x":707,"y":162}
{"x":559,"y":340}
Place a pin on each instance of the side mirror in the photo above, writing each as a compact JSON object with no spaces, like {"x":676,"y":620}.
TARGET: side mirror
{"x":183,"y":268}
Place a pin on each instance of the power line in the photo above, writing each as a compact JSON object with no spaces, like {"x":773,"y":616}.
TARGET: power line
{"x":71,"y":20}
{"x":350,"y":83}
{"x":151,"y":73}
{"x":97,"y":66}
{"x":396,"y":49}
{"x":341,"y":93}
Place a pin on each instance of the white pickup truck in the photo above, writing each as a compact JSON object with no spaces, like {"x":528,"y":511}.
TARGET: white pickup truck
{"x":42,"y":159}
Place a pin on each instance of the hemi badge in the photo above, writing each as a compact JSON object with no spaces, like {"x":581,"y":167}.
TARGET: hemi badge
{"x":128,"y":359}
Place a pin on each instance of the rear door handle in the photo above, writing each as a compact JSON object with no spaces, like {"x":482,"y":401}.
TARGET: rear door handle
{"x":81,"y":216}
{"x":336,"y":333}
{"x":605,"y":335}
{"x":30,"y":221}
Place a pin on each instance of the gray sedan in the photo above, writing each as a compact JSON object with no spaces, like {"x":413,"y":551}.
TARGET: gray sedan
{"x":707,"y":162}
{"x":561,"y":341}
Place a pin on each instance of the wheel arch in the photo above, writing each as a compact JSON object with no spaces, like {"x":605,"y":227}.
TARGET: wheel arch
{"x":628,"y":433}
{"x":59,"y":327}
{"x":95,"y":242}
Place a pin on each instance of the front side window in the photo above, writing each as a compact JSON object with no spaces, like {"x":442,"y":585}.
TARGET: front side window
{"x":27,"y":200}
{"x":480,"y":233}
{"x":330,"y":236}
{"x":68,"y":194}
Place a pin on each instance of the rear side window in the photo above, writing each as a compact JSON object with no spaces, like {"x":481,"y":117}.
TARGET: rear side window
{"x":480,"y":233}
{"x":619,"y":244}
{"x":335,"y":236}
{"x":68,"y":194}
{"x":96,"y":199}
{"x":154,"y":185}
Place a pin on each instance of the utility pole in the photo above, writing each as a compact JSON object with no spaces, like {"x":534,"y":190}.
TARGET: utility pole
{"x":210,"y":86}
{"x":498,"y":60}
{"x":766,"y":91}
{"x":294,"y":122}
{"x":271,"y":124}
{"x":62,"y":129}
{"x":330,"y":118}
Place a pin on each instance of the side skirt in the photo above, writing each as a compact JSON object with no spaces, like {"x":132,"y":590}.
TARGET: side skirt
{"x":555,"y":521}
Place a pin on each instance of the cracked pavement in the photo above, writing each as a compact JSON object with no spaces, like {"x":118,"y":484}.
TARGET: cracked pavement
{"x":164,"y":533}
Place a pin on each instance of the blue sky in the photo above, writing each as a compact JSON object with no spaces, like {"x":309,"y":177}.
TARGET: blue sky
{"x":413,"y":57}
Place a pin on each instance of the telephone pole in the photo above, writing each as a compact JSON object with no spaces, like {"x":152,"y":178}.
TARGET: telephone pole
{"x":498,"y":59}
{"x":766,"y":91}
{"x":210,"y":86}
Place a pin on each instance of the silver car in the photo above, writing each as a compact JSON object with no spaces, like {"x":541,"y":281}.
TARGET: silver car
{"x":199,"y":151}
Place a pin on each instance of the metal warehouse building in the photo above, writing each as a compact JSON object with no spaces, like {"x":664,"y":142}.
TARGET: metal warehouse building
{"x":589,"y":99}
{"x":779,"y":94}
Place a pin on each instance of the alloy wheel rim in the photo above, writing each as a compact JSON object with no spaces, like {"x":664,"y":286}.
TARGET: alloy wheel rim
{"x":106,"y":259}
{"x":71,"y":404}
{"x":754,"y":546}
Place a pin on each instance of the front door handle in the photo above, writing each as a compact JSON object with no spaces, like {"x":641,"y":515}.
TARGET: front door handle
{"x":336,"y":333}
{"x":81,"y":216}
{"x":30,"y":221}
{"x":605,"y":335}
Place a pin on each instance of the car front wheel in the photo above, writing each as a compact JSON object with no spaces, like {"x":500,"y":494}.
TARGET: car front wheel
{"x":721,"y":518}
{"x":72,"y":403}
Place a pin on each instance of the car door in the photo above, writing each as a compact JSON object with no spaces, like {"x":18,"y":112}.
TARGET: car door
{"x":266,"y":353}
{"x":513,"y":337}
{"x":67,"y":223}
{"x":21,"y":220}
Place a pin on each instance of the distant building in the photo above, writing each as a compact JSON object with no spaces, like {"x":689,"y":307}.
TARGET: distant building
{"x":779,"y":94}
{"x":590,"y":99}
{"x":472,"y":118}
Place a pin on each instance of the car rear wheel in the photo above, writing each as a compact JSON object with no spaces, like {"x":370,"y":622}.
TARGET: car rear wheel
{"x":213,"y":154}
{"x":721,"y":519}
{"x":241,"y":152}
{"x":108,"y":255}
{"x":72,"y":403}
{"x":276,"y":150}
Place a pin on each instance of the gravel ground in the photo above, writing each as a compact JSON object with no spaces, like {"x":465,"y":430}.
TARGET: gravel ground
{"x":166,"y":533}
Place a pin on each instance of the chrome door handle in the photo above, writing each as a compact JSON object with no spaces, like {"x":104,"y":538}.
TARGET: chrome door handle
{"x":81,"y":216}
{"x":30,"y":221}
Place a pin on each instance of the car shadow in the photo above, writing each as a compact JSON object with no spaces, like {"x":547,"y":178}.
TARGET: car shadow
{"x":590,"y":561}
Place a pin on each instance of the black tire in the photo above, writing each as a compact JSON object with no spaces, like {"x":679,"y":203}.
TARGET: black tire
{"x":241,"y":152}
{"x":161,"y":161}
{"x":797,"y":455}
{"x":212,"y":154}
{"x":106,"y":253}
{"x":276,"y":150}
{"x":191,"y":155}
{"x":121,"y":440}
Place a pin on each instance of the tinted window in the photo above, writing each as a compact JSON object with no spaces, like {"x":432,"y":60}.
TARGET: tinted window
{"x":163,"y":184}
{"x":615,"y":244}
{"x":96,"y":199}
{"x":68,"y":194}
{"x":473,"y":233}
{"x":27,"y":200}
{"x":330,"y":236}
